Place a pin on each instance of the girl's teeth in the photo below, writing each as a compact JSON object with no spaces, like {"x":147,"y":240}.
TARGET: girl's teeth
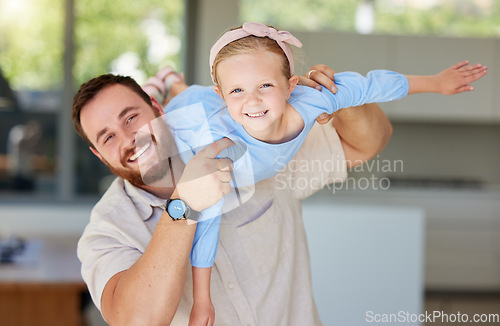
{"x":255,"y":115}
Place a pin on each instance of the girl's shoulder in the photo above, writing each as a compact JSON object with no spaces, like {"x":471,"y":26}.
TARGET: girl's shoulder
{"x":309,"y":102}
{"x":307,"y":94}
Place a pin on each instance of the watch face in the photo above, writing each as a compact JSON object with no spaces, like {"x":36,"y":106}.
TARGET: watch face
{"x":176,"y":208}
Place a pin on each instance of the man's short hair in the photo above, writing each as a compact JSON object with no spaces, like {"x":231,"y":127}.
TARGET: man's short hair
{"x":91,"y":88}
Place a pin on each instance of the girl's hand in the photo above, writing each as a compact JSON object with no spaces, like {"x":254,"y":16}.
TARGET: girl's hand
{"x":457,"y":78}
{"x":202,"y":313}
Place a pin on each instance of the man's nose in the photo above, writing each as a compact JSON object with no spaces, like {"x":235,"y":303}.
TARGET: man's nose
{"x":128,"y":138}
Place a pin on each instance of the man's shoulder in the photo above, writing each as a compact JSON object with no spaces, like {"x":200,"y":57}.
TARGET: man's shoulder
{"x":113,"y":201}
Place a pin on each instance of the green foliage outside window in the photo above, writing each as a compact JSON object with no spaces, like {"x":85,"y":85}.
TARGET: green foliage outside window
{"x":105,"y":30}
{"x":31,"y":32}
{"x":455,"y":18}
{"x":31,"y":38}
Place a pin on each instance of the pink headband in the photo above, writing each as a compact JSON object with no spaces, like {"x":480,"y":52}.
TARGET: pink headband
{"x":260,"y":30}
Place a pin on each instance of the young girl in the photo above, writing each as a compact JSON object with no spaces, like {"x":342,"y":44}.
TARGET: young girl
{"x":269,"y":116}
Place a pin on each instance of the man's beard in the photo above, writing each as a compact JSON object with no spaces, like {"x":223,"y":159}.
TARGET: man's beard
{"x":153,"y":175}
{"x":134,"y":177}
{"x":159,"y":174}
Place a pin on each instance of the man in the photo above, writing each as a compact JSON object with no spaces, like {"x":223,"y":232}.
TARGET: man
{"x":135,"y":256}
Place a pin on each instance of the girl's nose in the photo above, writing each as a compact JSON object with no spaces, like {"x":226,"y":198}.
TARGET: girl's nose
{"x":253,"y":98}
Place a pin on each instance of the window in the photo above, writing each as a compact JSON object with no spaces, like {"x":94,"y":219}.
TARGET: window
{"x":127,"y":38}
{"x":31,"y":73}
{"x":458,"y":18}
{"x":130,"y":38}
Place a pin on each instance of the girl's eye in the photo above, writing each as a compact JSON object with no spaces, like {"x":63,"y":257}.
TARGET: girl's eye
{"x":266,"y":85}
{"x":236,"y":90}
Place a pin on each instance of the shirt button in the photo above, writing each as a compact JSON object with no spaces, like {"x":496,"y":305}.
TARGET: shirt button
{"x":230,"y":285}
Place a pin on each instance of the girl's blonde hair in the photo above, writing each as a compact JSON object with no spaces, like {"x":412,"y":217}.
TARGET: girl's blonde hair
{"x":250,"y":44}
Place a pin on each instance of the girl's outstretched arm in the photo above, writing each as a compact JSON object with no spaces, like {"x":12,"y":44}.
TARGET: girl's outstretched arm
{"x":453,"y":80}
{"x":364,"y":131}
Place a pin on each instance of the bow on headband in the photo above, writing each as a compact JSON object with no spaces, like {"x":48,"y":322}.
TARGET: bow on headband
{"x":260,"y":30}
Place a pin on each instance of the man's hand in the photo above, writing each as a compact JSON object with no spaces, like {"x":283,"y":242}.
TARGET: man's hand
{"x":319,"y":75}
{"x":316,"y":76}
{"x":205,"y":179}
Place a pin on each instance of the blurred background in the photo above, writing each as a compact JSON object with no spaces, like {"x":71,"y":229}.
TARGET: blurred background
{"x":442,"y":161}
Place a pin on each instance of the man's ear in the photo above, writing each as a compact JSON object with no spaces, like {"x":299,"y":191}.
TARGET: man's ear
{"x":157,"y":106}
{"x":292,"y":82}
{"x":96,"y":153}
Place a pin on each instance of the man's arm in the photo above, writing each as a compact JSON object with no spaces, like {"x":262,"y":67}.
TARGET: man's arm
{"x":149,"y":292}
{"x":364,"y":131}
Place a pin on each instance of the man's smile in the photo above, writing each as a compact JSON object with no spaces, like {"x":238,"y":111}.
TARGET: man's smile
{"x":140,"y":152}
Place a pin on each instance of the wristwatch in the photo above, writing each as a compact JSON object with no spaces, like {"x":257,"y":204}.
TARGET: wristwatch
{"x":179,"y":210}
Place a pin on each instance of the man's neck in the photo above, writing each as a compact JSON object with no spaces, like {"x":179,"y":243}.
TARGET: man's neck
{"x":160,"y":192}
{"x":165,"y":187}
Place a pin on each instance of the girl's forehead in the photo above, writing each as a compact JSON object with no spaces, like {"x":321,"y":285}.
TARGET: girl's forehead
{"x":252,"y":60}
{"x":244,"y":65}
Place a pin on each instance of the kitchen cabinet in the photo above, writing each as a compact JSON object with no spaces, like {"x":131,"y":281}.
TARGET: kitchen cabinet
{"x":462,"y":232}
{"x":45,"y":291}
{"x":364,"y":259}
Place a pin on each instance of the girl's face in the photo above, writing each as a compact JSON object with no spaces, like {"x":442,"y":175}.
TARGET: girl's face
{"x":255,"y":90}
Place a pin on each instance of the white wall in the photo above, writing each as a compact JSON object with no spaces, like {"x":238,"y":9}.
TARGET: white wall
{"x":214,"y":18}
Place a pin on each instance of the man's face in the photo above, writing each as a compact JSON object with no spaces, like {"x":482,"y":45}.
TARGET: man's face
{"x":127,"y":132}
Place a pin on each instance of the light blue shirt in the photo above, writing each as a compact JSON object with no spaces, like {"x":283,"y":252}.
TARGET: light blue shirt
{"x":198,"y":117}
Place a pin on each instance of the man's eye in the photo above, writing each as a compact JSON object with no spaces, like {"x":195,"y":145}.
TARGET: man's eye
{"x":108,"y":138}
{"x":131,"y":118}
{"x":236,"y":90}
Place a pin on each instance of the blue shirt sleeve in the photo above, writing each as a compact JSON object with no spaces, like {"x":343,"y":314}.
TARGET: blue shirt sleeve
{"x":212,"y":102}
{"x":355,"y":89}
{"x":206,"y":237}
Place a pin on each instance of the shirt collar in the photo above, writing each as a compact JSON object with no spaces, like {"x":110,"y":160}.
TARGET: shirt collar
{"x":143,"y":200}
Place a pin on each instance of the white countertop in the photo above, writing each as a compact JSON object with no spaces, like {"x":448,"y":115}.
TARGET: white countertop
{"x":55,"y":262}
